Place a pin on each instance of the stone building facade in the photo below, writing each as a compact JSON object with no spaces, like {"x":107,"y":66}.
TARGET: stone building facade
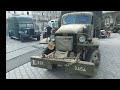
{"x":111,"y":18}
{"x":41,"y":18}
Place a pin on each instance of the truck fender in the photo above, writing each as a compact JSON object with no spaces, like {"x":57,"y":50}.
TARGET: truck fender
{"x":96,"y":42}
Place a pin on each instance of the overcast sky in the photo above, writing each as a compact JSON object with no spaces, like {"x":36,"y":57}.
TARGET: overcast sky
{"x":108,"y":11}
{"x":19,"y":12}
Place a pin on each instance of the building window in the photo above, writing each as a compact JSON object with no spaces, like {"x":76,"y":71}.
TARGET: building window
{"x":27,"y":13}
{"x":38,"y":13}
{"x":43,"y":14}
{"x":107,"y":20}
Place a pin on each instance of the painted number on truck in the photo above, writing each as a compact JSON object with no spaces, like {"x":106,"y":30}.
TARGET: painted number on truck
{"x":34,"y":62}
{"x":80,"y":69}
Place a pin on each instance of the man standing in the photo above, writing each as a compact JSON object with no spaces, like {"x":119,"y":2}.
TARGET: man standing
{"x":48,"y":31}
{"x":45,"y":32}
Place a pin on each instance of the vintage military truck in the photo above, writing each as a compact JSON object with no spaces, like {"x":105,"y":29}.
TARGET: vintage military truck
{"x":21,"y":27}
{"x":72,"y":47}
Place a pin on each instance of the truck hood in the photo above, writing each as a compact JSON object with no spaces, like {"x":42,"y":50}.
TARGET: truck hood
{"x":72,"y":29}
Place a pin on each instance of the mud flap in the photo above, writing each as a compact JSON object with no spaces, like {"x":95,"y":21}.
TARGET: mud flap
{"x":82,"y":67}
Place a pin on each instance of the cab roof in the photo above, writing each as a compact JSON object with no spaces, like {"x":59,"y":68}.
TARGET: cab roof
{"x":78,"y":13}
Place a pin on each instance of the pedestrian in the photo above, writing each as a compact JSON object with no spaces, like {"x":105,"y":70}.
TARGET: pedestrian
{"x":48,"y":31}
{"x":45,"y":32}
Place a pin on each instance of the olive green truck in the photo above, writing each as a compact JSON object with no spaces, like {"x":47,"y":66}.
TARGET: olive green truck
{"x":73,"y":46}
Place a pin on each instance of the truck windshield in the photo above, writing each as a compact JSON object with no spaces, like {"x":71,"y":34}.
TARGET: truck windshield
{"x":23,"y":25}
{"x":76,"y":19}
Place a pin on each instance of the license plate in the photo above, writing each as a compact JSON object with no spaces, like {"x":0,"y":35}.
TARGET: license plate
{"x":36,"y":62}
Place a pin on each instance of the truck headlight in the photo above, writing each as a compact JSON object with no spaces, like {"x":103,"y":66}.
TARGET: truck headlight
{"x":82,"y":39}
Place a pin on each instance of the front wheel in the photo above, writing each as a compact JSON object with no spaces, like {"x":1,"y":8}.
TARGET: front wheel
{"x":93,"y":55}
{"x":119,"y":31}
{"x":54,"y":67}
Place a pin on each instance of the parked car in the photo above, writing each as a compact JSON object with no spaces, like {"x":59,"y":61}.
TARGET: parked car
{"x":104,"y":33}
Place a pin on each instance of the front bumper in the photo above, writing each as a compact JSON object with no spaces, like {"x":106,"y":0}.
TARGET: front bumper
{"x":82,"y":67}
{"x":35,"y":35}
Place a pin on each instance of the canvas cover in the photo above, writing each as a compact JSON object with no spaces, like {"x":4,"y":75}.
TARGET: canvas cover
{"x":60,"y":54}
{"x":64,"y":43}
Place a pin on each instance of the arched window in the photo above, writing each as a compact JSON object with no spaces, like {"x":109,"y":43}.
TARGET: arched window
{"x":27,"y":13}
{"x":43,"y":14}
{"x":107,"y":20}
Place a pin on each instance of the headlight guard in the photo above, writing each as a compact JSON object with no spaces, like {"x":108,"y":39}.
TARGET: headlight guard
{"x":82,"y":39}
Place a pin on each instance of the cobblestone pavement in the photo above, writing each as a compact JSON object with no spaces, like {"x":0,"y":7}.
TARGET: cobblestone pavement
{"x":109,"y":66}
{"x":14,"y":45}
{"x":18,"y":53}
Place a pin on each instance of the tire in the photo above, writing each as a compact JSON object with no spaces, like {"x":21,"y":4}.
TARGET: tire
{"x":21,"y":39}
{"x":119,"y":31}
{"x":38,"y":38}
{"x":93,"y":55}
{"x":9,"y":34}
{"x":54,"y":66}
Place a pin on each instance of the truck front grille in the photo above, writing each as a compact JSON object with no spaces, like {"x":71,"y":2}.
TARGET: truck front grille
{"x":30,"y":32}
{"x":64,"y":43}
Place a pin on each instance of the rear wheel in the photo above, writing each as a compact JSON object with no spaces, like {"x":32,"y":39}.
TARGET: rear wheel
{"x":9,"y":34}
{"x":21,"y":38}
{"x":54,"y":66}
{"x":38,"y":38}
